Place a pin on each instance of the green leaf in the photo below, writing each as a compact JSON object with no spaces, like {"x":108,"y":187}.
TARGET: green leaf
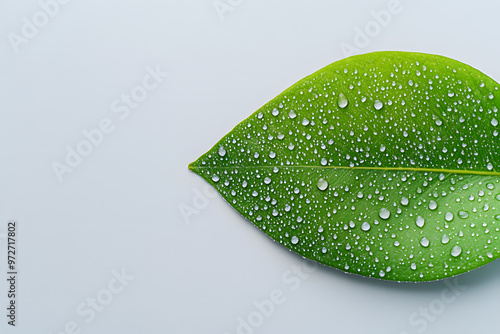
{"x":384,"y":165}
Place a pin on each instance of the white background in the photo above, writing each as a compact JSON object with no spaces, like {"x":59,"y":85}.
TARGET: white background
{"x":121,"y":208}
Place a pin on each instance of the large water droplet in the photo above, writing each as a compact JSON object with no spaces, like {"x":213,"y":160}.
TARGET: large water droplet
{"x":424,"y":242}
{"x":448,"y":216}
{"x":295,"y":240}
{"x":292,"y":114}
{"x":322,"y":184}
{"x":489,"y":166}
{"x":222,"y":151}
{"x":378,"y":104}
{"x":305,"y":121}
{"x":420,"y":221}
{"x":494,"y":122}
{"x":342,"y":102}
{"x":382,"y":148}
{"x":365,"y":226}
{"x":463,"y":214}
{"x":432,"y":205}
{"x":404,"y":201}
{"x":275,"y":112}
{"x":215,"y":178}
{"x":384,"y":213}
{"x":456,"y":251}
{"x":445,"y":239}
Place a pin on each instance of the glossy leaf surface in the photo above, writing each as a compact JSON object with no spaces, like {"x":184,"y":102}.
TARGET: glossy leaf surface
{"x":384,"y":165}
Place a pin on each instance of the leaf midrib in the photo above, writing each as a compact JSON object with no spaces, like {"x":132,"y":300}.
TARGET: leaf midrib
{"x":412,"y":169}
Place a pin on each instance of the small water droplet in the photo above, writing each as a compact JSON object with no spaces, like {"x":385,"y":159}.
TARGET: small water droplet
{"x":456,"y":251}
{"x":322,"y":184}
{"x":489,"y":255}
{"x":378,"y":104}
{"x":324,"y":161}
{"x":413,"y":266}
{"x":381,"y":273}
{"x":420,"y":221}
{"x":494,"y":122}
{"x":489,"y":166}
{"x":384,"y":213}
{"x":382,"y":148}
{"x":305,"y":122}
{"x":463,"y":214}
{"x":365,"y":226}
{"x":404,"y":201}
{"x":451,"y":93}
{"x":424,"y":242}
{"x":267,"y":180}
{"x":432,"y":205}
{"x":295,"y":240}
{"x":324,"y":250}
{"x":215,"y":178}
{"x":292,"y":114}
{"x":342,"y":102}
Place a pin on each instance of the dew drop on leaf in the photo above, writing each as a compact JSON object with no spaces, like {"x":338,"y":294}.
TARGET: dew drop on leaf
{"x":420,"y":221}
{"x":322,"y":184}
{"x":342,"y":101}
{"x":424,"y":242}
{"x":448,"y":216}
{"x":378,"y":104}
{"x":384,"y":213}
{"x":456,"y":251}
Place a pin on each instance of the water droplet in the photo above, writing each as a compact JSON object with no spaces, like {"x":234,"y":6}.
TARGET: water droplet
{"x":222,"y":151}
{"x":456,"y":251}
{"x":420,"y":221}
{"x":382,"y":148}
{"x":272,"y":155}
{"x":445,"y":239}
{"x":463,"y":214}
{"x":489,"y":166}
{"x":378,"y":104}
{"x":322,"y":184}
{"x":305,"y":121}
{"x":384,"y":213}
{"x":494,"y":122}
{"x":324,"y":161}
{"x":275,"y":112}
{"x":489,"y":255}
{"x":424,"y":242}
{"x":432,"y":205}
{"x":365,"y":226}
{"x":342,"y":102}
{"x":451,"y":93}
{"x":324,"y":250}
{"x":267,"y":180}
{"x":292,"y":114}
{"x":404,"y":201}
{"x":448,"y":216}
{"x":215,"y":178}
{"x":381,"y":273}
{"x":295,"y":240}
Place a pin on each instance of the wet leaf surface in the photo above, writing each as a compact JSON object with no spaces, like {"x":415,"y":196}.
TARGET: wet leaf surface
{"x":384,"y":165}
